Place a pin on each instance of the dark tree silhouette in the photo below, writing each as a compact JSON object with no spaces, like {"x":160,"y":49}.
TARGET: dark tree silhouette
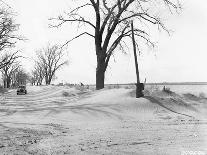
{"x":8,"y":28}
{"x":8,"y":59}
{"x":111,"y":25}
{"x":8,"y":36}
{"x":9,"y":67}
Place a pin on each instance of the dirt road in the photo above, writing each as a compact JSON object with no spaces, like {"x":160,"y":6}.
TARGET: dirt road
{"x":100,"y":122}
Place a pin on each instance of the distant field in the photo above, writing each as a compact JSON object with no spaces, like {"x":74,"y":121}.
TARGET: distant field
{"x":180,"y":88}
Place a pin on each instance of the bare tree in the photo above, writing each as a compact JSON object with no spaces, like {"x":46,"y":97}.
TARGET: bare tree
{"x":50,"y":59}
{"x":8,"y":28}
{"x":8,"y":36}
{"x":33,"y":78}
{"x":8,"y":59}
{"x":9,"y":67}
{"x":38,"y":74}
{"x":21,"y":77}
{"x":110,"y":26}
{"x":12,"y":75}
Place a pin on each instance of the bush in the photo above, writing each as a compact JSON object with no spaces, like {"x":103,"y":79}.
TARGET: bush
{"x":60,"y":84}
{"x":167,"y":90}
{"x":65,"y":94}
{"x":80,"y":88}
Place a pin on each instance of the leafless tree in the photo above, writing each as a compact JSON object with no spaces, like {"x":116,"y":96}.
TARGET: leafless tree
{"x":38,"y":74}
{"x":50,"y":59}
{"x":110,"y":25}
{"x":8,"y":59}
{"x":21,"y":77}
{"x":8,"y":28}
{"x":33,"y":77}
{"x":8,"y":36}
{"x":9,"y":68}
{"x":12,"y":80}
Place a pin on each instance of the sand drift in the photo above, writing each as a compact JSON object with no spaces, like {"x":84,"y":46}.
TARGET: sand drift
{"x":63,"y":120}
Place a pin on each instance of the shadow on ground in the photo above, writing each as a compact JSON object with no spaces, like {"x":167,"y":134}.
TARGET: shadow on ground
{"x":162,"y":104}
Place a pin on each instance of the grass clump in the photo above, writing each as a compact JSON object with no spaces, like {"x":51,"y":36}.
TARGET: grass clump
{"x":65,"y":94}
{"x":167,"y":90}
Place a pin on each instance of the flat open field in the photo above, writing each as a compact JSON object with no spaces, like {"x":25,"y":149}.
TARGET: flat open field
{"x":64,"y":120}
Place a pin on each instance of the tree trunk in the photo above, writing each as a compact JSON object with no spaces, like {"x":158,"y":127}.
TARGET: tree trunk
{"x":49,"y":81}
{"x":100,"y":79}
{"x":100,"y":73}
{"x":5,"y":83}
{"x":46,"y":80}
{"x":8,"y":82}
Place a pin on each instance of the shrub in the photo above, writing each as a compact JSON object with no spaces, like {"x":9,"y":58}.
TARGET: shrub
{"x":65,"y":94}
{"x":167,"y":90}
{"x":81,"y":88}
{"x":60,"y":84}
{"x":191,"y":97}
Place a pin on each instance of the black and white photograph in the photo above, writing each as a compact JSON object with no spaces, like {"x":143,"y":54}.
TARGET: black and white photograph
{"x":103,"y":77}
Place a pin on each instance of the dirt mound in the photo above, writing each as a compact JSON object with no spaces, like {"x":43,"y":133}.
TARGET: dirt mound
{"x":172,"y":102}
{"x":107,"y":103}
{"x":120,"y":103}
{"x":193,"y":97}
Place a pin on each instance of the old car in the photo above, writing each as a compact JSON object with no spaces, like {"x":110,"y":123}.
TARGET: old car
{"x":21,"y":89}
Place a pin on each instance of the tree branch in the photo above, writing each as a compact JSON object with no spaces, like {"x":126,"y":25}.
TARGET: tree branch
{"x":84,"y":33}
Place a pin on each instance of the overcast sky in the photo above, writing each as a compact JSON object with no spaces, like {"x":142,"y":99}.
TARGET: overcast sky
{"x":179,"y":57}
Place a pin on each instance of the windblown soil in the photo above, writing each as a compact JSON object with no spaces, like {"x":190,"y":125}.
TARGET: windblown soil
{"x":62,"y":120}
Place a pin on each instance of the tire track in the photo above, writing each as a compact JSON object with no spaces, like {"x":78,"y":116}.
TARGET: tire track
{"x":46,"y":98}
